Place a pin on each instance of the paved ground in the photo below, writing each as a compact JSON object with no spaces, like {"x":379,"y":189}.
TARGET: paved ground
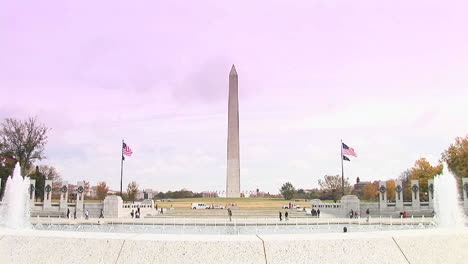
{"x":219,"y":221}
{"x":393,"y":247}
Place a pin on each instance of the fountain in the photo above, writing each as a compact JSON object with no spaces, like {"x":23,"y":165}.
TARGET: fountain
{"x":14,"y":211}
{"x":449,"y":214}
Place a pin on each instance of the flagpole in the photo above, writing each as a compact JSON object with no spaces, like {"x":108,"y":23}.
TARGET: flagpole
{"x":121,"y":168}
{"x":342,"y":168}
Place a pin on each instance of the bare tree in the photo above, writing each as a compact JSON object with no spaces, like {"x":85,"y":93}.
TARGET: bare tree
{"x":132,"y":190}
{"x":25,"y":140}
{"x":49,"y":172}
{"x":332,"y":184}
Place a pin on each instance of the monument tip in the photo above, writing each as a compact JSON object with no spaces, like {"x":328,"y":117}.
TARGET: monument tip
{"x":233,"y":70}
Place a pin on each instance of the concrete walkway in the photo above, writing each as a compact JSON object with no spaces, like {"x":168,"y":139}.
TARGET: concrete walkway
{"x":236,"y":221}
{"x":393,"y":247}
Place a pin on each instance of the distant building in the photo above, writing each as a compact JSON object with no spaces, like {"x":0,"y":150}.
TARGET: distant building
{"x":209,"y":194}
{"x":360,"y":185}
{"x":145,"y":194}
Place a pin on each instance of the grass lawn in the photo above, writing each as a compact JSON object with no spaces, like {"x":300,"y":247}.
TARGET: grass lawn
{"x":242,"y":203}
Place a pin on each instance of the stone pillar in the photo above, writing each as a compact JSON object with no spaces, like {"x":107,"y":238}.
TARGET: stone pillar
{"x":348,"y":203}
{"x":32,"y":192}
{"x":430,"y":188}
{"x":113,"y":206}
{"x":465,"y":192}
{"x":80,"y":199}
{"x":415,"y":194}
{"x":47,"y":195}
{"x":148,"y":194}
{"x":383,"y":194}
{"x":399,"y":195}
{"x":64,"y":196}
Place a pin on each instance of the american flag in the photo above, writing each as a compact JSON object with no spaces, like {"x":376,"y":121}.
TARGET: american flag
{"x":126,"y":150}
{"x":347,"y":150}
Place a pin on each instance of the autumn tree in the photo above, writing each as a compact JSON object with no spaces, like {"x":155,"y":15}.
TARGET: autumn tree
{"x":370,"y":191}
{"x":101,"y":190}
{"x":333,"y":184}
{"x":456,"y":157}
{"x":132,"y":190}
{"x":423,"y":171}
{"x":391,"y":184}
{"x":287,"y":191}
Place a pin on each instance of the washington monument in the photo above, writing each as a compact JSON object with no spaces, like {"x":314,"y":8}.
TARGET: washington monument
{"x":233,"y":163}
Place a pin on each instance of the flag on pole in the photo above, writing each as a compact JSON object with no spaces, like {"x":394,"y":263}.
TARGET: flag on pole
{"x":126,"y":150}
{"x":346,"y":158}
{"x":347,"y":150}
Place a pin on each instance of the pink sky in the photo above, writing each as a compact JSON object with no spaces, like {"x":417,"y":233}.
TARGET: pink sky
{"x":388,"y":77}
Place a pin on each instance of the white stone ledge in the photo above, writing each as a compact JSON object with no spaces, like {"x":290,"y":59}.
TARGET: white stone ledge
{"x":415,"y":246}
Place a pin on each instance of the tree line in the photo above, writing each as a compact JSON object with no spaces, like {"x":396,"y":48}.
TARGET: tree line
{"x":455,"y":156}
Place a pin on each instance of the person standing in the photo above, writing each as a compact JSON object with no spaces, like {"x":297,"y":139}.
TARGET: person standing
{"x":132,"y":213}
{"x":102,"y":214}
{"x":86,"y":214}
{"x":229,"y":214}
{"x":68,"y":213}
{"x":367,"y":213}
{"x":280,"y":216}
{"x":286,"y":214}
{"x":318,"y":213}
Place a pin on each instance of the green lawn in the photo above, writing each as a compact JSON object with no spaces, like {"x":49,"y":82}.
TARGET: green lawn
{"x":243,"y":203}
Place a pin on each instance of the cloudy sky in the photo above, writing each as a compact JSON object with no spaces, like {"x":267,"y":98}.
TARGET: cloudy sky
{"x":390,"y":78}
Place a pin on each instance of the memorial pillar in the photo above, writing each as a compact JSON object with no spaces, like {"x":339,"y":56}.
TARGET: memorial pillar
{"x":415,"y":194}
{"x":80,"y":199}
{"x":47,"y":204}
{"x":465,"y":192}
{"x":112,"y":206}
{"x":399,"y":195}
{"x":430,"y":188}
{"x":32,"y":192}
{"x":383,"y":194}
{"x":64,"y":197}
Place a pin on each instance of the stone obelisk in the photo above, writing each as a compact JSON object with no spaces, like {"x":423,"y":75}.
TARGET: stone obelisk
{"x":233,"y":163}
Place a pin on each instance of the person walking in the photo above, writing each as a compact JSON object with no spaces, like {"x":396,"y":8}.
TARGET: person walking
{"x":230,"y":214}
{"x":280,"y":216}
{"x":318,"y":213}
{"x":86,"y":214}
{"x":367,"y":213}
{"x":68,"y":213}
{"x":102,"y":214}
{"x":132,"y":213}
{"x":286,"y":214}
